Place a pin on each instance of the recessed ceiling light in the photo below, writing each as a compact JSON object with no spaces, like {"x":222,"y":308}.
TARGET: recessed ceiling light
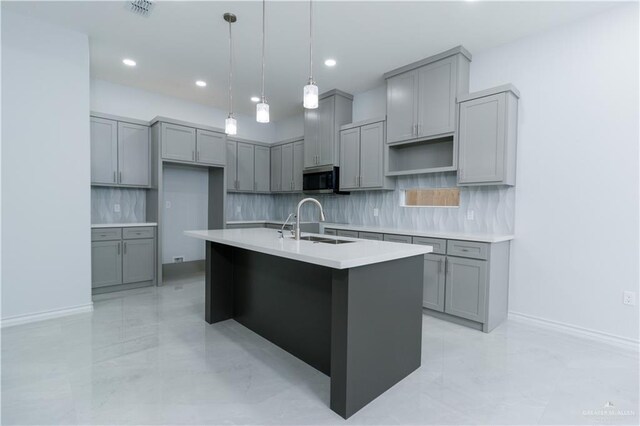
{"x":255,"y":99}
{"x":201,"y":83}
{"x":129,"y":62}
{"x":330,"y":62}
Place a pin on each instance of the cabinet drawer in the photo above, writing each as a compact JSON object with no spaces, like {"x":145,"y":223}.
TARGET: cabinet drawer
{"x":345,"y":233}
{"x":138,"y":232}
{"x":106,"y":234}
{"x":330,"y":232}
{"x":468,"y":249}
{"x":439,"y":245}
{"x":370,"y":236}
{"x":397,"y":238}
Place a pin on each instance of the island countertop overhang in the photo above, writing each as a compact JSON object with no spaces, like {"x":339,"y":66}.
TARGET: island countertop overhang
{"x":336,"y":256}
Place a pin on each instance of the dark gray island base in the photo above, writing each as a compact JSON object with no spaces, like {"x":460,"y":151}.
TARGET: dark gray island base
{"x":362,"y":326}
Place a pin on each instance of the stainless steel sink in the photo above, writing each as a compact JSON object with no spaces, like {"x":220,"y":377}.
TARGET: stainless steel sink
{"x":325,"y":240}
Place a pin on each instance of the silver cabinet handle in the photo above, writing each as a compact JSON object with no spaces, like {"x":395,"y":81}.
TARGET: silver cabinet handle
{"x":118,"y":249}
{"x":125,"y":247}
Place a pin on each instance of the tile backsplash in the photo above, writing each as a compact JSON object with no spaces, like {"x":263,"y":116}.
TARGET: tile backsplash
{"x":481,"y":210}
{"x":132,"y":204}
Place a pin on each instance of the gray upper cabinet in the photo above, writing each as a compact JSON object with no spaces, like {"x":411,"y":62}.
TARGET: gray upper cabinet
{"x":321,"y":128}
{"x":262,"y":169}
{"x":178,"y":142}
{"x":104,"y":151}
{"x":120,"y":153}
{"x":106,"y":263}
{"x":276,"y":168}
{"x":298,"y":165}
{"x":434,"y":282}
{"x":421,"y":97}
{"x":466,"y":288}
{"x":487,"y":137}
{"x":210,"y":147}
{"x":245,"y":174}
{"x":362,"y":157}
{"x":138,"y":262}
{"x":134,"y":154}
{"x":286,"y":175}
{"x":232,"y":162}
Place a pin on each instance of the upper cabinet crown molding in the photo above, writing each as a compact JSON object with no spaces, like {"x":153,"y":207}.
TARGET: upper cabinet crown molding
{"x":119,"y":118}
{"x":488,"y":92}
{"x":418,"y":64}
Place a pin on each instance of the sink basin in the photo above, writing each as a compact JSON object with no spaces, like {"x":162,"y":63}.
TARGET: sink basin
{"x":325,"y":240}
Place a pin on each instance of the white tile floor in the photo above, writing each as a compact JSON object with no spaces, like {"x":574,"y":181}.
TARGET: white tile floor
{"x":148,"y":357}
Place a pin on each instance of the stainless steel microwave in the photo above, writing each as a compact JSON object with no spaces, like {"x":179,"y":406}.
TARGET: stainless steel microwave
{"x":322,"y":180}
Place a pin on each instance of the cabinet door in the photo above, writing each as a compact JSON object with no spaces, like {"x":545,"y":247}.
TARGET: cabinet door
{"x":245,"y":167}
{"x":134,"y":154}
{"x":349,"y":158}
{"x":402,"y":107}
{"x":232,"y":165}
{"x":311,"y":135}
{"x":482,"y":140}
{"x":106,"y":263}
{"x":210,"y":147}
{"x":276,"y":168}
{"x":433,"y":282}
{"x":286,"y":182}
{"x":437,"y":98}
{"x":371,"y":156}
{"x":138,"y":260}
{"x":326,"y":131}
{"x":104,"y":151}
{"x":298,"y":165}
{"x":261,"y":169}
{"x":466,"y":287}
{"x":178,"y":142}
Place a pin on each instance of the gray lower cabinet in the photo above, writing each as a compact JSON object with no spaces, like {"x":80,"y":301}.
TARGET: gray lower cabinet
{"x":466,"y":288}
{"x":134,"y":154}
{"x":434,"y":282}
{"x":346,"y":233}
{"x":262,"y":159}
{"x":210,"y":147}
{"x":120,"y":153}
{"x":106,"y":263}
{"x":178,"y":142}
{"x":122,"y":256}
{"x":138,"y":260}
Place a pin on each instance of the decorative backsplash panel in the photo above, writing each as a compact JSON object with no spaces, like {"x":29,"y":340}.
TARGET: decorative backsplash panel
{"x":132,"y":205}
{"x":493,"y":207}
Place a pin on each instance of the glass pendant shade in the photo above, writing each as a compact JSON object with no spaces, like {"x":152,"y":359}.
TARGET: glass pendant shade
{"x":262,"y":112}
{"x":230,"y":126}
{"x":310,"y":96}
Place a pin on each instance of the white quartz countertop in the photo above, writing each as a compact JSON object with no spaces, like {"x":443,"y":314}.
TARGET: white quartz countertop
{"x":466,"y":236}
{"x":122,"y":225}
{"x":337,"y":256}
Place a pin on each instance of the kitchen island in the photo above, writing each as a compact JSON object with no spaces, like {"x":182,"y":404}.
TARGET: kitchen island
{"x":350,"y":308}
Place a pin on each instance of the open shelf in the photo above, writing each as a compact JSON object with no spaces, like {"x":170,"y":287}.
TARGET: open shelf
{"x":430,"y":156}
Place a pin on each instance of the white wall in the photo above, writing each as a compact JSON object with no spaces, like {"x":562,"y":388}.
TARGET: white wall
{"x":576,"y":246}
{"x":46,"y":257}
{"x":111,"y":98}
{"x":290,"y":127}
{"x":187,"y":191}
{"x":370,"y":104}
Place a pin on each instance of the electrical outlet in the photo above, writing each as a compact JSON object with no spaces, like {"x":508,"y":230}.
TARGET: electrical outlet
{"x":178,"y":259}
{"x":116,"y":208}
{"x":376,"y":212}
{"x":471,"y":215}
{"x":629,"y":298}
{"x":238,"y":209}
{"x":167,"y":204}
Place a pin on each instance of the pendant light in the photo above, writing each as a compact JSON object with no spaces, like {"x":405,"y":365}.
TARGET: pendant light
{"x":230,"y":124}
{"x":262,"y":108}
{"x":310,"y":92}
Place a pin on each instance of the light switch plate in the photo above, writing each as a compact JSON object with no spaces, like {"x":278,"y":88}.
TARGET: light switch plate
{"x":238,"y":209}
{"x":375,"y":212}
{"x":629,"y":298}
{"x":116,"y":208}
{"x":167,"y":204}
{"x":471,"y":215}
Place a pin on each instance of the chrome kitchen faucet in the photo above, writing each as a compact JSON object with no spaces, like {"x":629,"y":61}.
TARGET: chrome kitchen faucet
{"x":313,"y":200}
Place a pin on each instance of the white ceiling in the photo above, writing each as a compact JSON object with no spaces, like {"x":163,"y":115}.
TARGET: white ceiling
{"x":182,"y":41}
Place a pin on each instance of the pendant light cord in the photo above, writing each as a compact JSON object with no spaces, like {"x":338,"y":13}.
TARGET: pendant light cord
{"x":310,"y":41}
{"x":263,"y":20}
{"x":230,"y":72}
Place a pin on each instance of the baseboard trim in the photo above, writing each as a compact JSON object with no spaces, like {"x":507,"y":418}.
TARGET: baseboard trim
{"x":41,"y":316}
{"x":611,"y":339}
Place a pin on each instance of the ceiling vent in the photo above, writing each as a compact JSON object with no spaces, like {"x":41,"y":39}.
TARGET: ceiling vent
{"x":141,"y":7}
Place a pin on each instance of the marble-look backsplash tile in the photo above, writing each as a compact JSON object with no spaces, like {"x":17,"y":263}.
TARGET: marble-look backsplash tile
{"x":493,"y":207}
{"x":132,"y":205}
